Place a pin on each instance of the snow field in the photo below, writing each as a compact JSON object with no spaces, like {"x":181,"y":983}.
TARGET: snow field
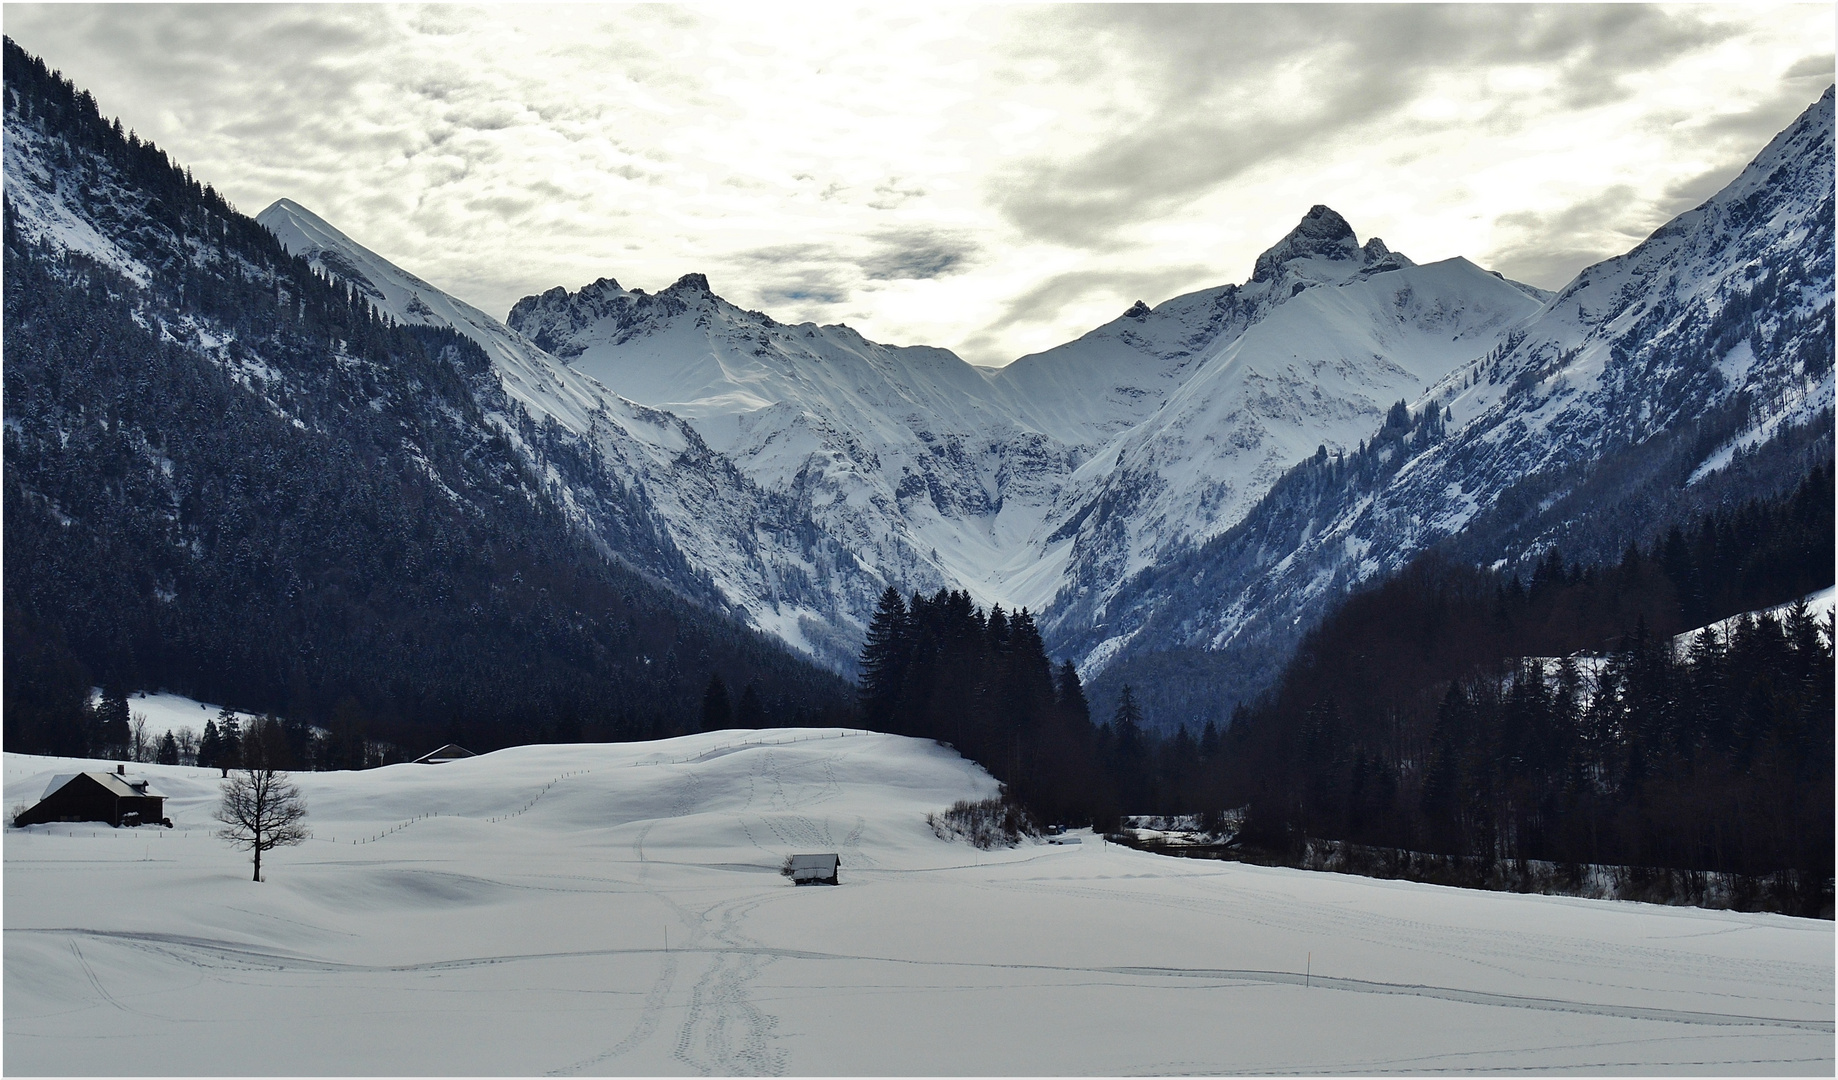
{"x":511,"y":917}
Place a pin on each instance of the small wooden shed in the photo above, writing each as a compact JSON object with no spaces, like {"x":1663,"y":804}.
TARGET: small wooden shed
{"x":814,"y":869}
{"x":114,"y":797}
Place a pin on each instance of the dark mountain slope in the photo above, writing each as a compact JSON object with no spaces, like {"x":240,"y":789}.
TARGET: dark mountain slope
{"x":228,"y":477}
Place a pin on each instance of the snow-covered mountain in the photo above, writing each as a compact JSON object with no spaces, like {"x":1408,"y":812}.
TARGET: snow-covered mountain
{"x":1314,"y":349}
{"x":763,"y":556}
{"x":1073,"y":467}
{"x":1643,"y":377}
{"x":911,"y":457}
{"x":1068,"y":480}
{"x":1140,"y":488}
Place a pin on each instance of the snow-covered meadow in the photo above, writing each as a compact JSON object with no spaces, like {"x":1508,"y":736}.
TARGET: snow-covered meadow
{"x":617,"y":909}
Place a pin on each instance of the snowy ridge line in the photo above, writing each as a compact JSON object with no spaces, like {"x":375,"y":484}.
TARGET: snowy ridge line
{"x":747,"y":745}
{"x":282,"y":961}
{"x":544,"y":790}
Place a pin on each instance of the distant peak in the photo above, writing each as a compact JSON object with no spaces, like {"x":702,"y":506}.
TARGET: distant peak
{"x":291,"y":209}
{"x":691,"y":283}
{"x":1138,"y":310}
{"x":1323,"y":223}
{"x":1321,"y":233}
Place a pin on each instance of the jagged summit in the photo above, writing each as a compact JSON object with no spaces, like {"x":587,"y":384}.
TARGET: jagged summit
{"x":1323,"y":223}
{"x":1321,"y":233}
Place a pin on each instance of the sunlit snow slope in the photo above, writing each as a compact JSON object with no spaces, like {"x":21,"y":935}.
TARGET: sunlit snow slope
{"x":615,"y":909}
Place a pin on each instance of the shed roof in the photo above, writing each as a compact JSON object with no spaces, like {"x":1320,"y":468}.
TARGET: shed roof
{"x":814,"y":862}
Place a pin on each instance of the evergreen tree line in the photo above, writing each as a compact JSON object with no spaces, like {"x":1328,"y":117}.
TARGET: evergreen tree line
{"x":236,"y":481}
{"x":939,"y":667}
{"x":1411,"y":717}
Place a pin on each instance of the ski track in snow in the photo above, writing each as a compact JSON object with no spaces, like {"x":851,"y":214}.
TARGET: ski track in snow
{"x":523,"y":926}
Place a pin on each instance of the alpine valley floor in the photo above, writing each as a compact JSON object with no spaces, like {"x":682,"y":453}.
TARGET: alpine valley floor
{"x":617,"y":909}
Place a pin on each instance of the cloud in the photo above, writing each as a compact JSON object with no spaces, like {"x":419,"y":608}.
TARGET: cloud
{"x":1225,"y":88}
{"x":805,"y":277}
{"x":924,"y":174}
{"x":1549,"y":247}
{"x":1817,"y":67}
{"x":919,"y":254}
{"x":1044,"y":302}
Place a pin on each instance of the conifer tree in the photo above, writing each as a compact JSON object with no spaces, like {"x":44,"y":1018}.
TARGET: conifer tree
{"x":751,"y":712}
{"x":885,"y":656}
{"x":210,"y":745}
{"x":717,"y":713}
{"x":1072,"y":701}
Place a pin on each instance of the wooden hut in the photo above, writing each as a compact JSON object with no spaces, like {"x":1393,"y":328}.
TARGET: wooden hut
{"x":115,"y":798}
{"x":814,"y":869}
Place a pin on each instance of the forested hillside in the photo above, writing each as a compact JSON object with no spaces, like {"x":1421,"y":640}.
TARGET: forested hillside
{"x":1471,"y":714}
{"x":229,"y":477}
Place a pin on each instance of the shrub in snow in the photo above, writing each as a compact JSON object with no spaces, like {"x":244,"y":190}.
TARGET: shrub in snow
{"x":988,"y":824}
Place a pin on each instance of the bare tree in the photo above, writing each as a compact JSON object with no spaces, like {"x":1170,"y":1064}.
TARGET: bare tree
{"x":137,"y":737}
{"x":261,"y":809}
{"x":188,"y":746}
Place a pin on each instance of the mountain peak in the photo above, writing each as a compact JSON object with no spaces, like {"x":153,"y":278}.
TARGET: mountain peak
{"x":691,"y":283}
{"x":1321,"y":233}
{"x":1324,"y":223}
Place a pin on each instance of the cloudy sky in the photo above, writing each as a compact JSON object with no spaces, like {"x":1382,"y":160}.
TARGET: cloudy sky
{"x":993,"y":179}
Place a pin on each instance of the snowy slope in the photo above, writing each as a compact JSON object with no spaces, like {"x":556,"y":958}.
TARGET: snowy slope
{"x":47,"y":207}
{"x":1819,"y":606}
{"x":595,"y":909}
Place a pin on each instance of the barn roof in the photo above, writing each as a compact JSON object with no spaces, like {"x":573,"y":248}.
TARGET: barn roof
{"x":814,"y":862}
{"x":449,"y":752}
{"x":119,"y":786}
{"x":57,"y":782}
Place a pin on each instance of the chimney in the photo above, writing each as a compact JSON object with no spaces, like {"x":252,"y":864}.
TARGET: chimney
{"x":121,"y":770}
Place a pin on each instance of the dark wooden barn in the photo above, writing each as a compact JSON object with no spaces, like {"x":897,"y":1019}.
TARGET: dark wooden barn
{"x":812,"y":869}
{"x":95,"y":796}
